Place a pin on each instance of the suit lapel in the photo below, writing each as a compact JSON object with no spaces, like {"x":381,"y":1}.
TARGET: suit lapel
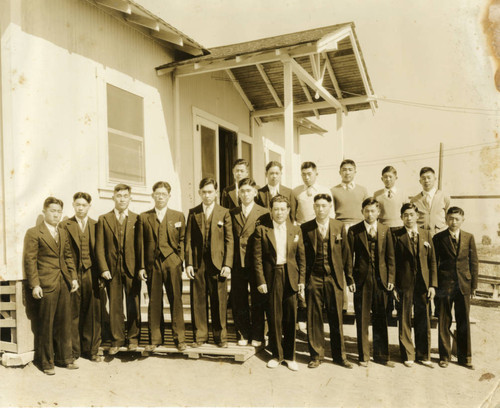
{"x":271,"y":237}
{"x":405,"y":240}
{"x":449,"y":243}
{"x":198,"y":216}
{"x":111,"y":220}
{"x":130,"y":225}
{"x":239,"y":218}
{"x":91,"y":223}
{"x":251,"y":219}
{"x":364,"y":238}
{"x":332,"y":234}
{"x":312,"y":236}
{"x":48,"y":238}
{"x":380,"y":238}
{"x":152,"y":221}
{"x":290,"y":236}
{"x":73,"y":228}
{"x":233,"y":196}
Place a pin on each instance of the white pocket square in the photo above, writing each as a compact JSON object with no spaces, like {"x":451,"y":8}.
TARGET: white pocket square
{"x":220,"y":223}
{"x":296,"y":238}
{"x":178,"y":224}
{"x":426,"y":244}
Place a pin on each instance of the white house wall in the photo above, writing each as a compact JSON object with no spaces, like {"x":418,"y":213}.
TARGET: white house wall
{"x":56,"y":58}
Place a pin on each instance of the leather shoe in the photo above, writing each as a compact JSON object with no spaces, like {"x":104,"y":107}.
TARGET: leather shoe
{"x":408,"y":363}
{"x":389,"y":364}
{"x":113,"y":350}
{"x":443,"y":364}
{"x":314,"y":364}
{"x":467,"y":365}
{"x":49,"y":371}
{"x":427,"y":363}
{"x":243,"y":342}
{"x":256,"y":343}
{"x":95,"y":358}
{"x":181,"y":346}
{"x":273,"y":363}
{"x":345,"y":363}
{"x":196,"y":344}
{"x":150,"y":348}
{"x":222,"y":344}
{"x":292,"y":365}
{"x":132,"y":347}
{"x":71,"y":366}
{"x":363,"y":363}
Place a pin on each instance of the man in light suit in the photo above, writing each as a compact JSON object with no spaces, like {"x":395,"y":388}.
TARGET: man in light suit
{"x":230,"y":197}
{"x":51,"y":276}
{"x":274,"y":187}
{"x":280,"y":265}
{"x":371,"y":246}
{"x":85,"y":302}
{"x":328,"y":260}
{"x":432,"y":203}
{"x":243,"y":219}
{"x":209,"y":259}
{"x":160,"y":234}
{"x":457,"y":265}
{"x":416,"y":280}
{"x":115,"y":252}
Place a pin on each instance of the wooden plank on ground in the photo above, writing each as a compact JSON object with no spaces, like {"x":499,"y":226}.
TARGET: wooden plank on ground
{"x":239,"y":353}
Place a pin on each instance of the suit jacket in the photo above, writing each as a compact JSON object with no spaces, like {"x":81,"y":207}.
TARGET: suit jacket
{"x":44,"y":260}
{"x":147,"y":236}
{"x":229,"y":199}
{"x":358,"y":244}
{"x":107,"y":243}
{"x":264,"y":255}
{"x":463,"y":263}
{"x":72,"y":227}
{"x":263,"y":198}
{"x":433,"y":217}
{"x":221,"y":237}
{"x":243,"y":233}
{"x":405,"y":261}
{"x":340,"y":256}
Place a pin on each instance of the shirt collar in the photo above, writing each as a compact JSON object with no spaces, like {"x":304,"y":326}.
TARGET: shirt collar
{"x":368,"y":226}
{"x":279,"y":227}
{"x":51,"y":228}
{"x":273,"y":189}
{"x":393,"y":190}
{"x":349,"y":186}
{"x":247,"y":208}
{"x":82,"y":221}
{"x":455,"y":234}
{"x":430,"y":193}
{"x":117,"y":213}
{"x":162,"y":211}
{"x":208,"y":209}
{"x":412,"y":230}
{"x":324,"y":225}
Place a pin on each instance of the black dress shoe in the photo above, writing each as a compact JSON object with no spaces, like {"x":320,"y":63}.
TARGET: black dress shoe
{"x":181,"y":346}
{"x":363,"y":363}
{"x":95,"y":358}
{"x":222,"y":344}
{"x":467,"y":365}
{"x":314,"y":364}
{"x":443,"y":364}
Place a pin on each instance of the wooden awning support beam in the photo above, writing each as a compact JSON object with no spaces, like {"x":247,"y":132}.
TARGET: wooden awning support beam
{"x":308,"y":96}
{"x":269,"y":85}
{"x":144,"y":22}
{"x":242,"y":93}
{"x":120,"y":5}
{"x":169,"y":37}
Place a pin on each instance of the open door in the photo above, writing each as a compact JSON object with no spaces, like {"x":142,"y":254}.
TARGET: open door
{"x":228,"y":149}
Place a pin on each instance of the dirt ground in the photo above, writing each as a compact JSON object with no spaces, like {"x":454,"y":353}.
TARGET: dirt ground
{"x":166,"y":380}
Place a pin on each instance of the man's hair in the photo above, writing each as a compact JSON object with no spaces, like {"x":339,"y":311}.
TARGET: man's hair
{"x":278,"y":198}
{"x":162,"y":184}
{"x":455,"y":210}
{"x":85,"y":196}
{"x":273,"y":163}
{"x":424,"y":170}
{"x":52,"y":200}
{"x":247,"y":181}
{"x":408,"y":206}
{"x":308,"y":165}
{"x":207,"y":181}
{"x":121,"y":187}
{"x":237,"y":162}
{"x":370,"y":201}
{"x":347,"y":161}
{"x":389,"y":169}
{"x":323,"y":196}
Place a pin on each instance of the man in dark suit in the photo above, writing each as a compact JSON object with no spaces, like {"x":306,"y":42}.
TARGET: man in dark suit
{"x":371,"y":246}
{"x":230,"y":197}
{"x":243,"y":219}
{"x":416,"y":280}
{"x":85,"y":302}
{"x":280,"y":265}
{"x":328,"y":260}
{"x":115,"y":252}
{"x":160,"y":233}
{"x":51,"y":276}
{"x":209,"y":259}
{"x":274,"y":187}
{"x":457,"y":265}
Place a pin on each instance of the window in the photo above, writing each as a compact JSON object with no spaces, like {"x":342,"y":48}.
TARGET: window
{"x":125,"y":136}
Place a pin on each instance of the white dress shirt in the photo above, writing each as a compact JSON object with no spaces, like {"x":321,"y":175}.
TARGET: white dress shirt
{"x":323,"y":228}
{"x":348,"y":186}
{"x":160,"y":214}
{"x":82,"y":222}
{"x":455,"y":235}
{"x":429,"y":195}
{"x":273,"y":190}
{"x":208,"y":210}
{"x":371,"y":228}
{"x":392,"y":190}
{"x":53,"y":230}
{"x":280,"y":236}
{"x":117,"y":213}
{"x":246,"y":209}
{"x":412,"y":232}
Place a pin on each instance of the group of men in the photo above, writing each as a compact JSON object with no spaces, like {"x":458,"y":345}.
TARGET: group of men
{"x":283,"y":249}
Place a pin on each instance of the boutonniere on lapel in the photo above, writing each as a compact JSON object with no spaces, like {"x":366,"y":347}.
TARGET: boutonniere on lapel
{"x":220,"y":224}
{"x":296,"y":238}
{"x":427,"y":245}
{"x":178,"y":224}
{"x":338,"y":238}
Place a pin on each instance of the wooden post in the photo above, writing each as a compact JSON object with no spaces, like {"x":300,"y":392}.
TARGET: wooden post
{"x":440,"y":174}
{"x":288,"y":120}
{"x":340,"y":132}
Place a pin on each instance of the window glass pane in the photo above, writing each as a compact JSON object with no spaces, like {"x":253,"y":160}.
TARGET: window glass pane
{"x":125,"y":111}
{"x":246,"y":153}
{"x":208,"y":153}
{"x":126,"y":158}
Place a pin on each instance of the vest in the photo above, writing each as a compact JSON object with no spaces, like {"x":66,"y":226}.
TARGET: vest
{"x":120,"y":233}
{"x":207,"y":231}
{"x":416,"y":258}
{"x":85,"y":259}
{"x":322,"y":258}
{"x":162,"y":246}
{"x":372,"y":246}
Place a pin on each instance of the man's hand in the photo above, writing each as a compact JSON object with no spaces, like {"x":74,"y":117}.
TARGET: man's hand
{"x":106,"y":275}
{"x":225,"y":272}
{"x":37,"y":292}
{"x":390,"y":287}
{"x":302,"y":290}
{"x":431,"y":293}
{"x":396,"y":295}
{"x":473,"y":293}
{"x":74,"y":286}
{"x":352,"y":288}
{"x":262,"y":288}
{"x":190,"y":272}
{"x":143,"y":275}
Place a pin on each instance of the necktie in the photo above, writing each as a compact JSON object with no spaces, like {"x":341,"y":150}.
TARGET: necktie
{"x":389,"y":193}
{"x":414,"y":237}
{"x":372,"y":232}
{"x":454,"y":239}
{"x":56,"y":236}
{"x":121,"y":218}
{"x":309,"y":191}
